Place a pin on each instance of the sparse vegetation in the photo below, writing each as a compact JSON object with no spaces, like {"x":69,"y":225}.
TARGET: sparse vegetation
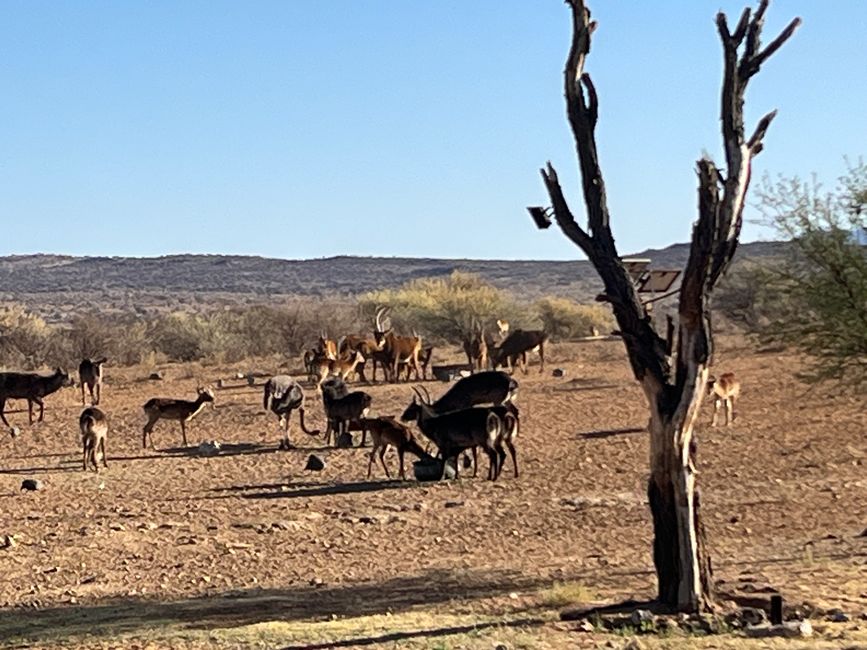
{"x":815,"y":297}
{"x":563,"y":318}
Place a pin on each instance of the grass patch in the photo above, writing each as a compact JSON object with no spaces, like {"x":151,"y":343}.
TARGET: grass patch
{"x":566,"y":593}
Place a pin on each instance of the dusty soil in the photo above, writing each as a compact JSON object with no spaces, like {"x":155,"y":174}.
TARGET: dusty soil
{"x":169,"y":550}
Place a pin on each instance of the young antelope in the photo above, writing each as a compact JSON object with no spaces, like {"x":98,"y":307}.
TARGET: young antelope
{"x":94,"y":428}
{"x":726,"y":390}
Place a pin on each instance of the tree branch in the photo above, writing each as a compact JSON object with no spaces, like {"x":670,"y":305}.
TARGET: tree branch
{"x":562,"y":213}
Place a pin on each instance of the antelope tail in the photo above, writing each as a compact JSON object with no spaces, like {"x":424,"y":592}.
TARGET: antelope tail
{"x":315,"y":432}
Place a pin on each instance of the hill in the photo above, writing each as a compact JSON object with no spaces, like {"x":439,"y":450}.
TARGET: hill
{"x":57,"y":285}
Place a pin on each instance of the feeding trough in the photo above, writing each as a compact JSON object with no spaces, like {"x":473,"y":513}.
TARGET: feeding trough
{"x":451,"y":371}
{"x":432,"y":469}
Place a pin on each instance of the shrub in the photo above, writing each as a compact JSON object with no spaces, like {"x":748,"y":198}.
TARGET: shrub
{"x":24,"y":338}
{"x":563,"y":318}
{"x":445,"y":308}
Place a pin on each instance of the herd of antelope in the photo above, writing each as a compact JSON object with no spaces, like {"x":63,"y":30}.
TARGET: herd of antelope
{"x":477,"y":412}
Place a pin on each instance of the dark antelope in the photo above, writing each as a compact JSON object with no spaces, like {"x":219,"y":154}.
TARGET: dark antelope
{"x":93,"y":424}
{"x":32,"y":387}
{"x":516,"y":346}
{"x":90,"y":375}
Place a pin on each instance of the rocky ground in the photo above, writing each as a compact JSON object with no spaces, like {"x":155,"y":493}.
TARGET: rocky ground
{"x":166,"y":549}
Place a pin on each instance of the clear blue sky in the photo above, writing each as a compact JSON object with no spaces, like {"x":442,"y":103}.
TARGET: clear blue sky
{"x":310,"y":128}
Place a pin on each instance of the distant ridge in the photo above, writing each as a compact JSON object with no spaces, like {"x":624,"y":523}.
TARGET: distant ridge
{"x":55,"y":285}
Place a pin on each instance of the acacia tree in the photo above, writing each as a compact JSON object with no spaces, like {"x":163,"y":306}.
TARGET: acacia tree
{"x":673,"y":394}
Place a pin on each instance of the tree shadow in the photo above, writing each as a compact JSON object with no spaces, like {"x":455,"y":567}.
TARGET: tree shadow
{"x":608,"y":433}
{"x":394,"y":637}
{"x":326,"y":489}
{"x":111,"y":618}
{"x":623,"y":607}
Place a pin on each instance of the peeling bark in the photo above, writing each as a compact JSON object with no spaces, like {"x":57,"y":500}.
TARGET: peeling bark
{"x":674,"y":396}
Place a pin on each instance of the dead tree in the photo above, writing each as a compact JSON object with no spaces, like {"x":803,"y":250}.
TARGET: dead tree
{"x":674,"y":394}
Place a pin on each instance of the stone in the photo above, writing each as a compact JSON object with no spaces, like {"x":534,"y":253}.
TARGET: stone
{"x":634,"y":644}
{"x":208,"y":448}
{"x":641,"y":616}
{"x":454,"y":504}
{"x":156,"y":376}
{"x":32,"y":484}
{"x":14,"y":432}
{"x":752,"y":616}
{"x":788,"y":630}
{"x":314,"y":463}
{"x":8,"y":541}
{"x":837,"y":616}
{"x":585,"y":626}
{"x":558,"y":372}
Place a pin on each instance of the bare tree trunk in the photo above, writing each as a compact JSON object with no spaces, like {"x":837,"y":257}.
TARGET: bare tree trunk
{"x":674,"y":395}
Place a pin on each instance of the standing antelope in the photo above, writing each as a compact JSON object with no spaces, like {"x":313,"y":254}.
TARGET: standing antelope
{"x":476,"y":349}
{"x":515,"y":349}
{"x":387,"y":432}
{"x":397,"y":349}
{"x":327,"y":346}
{"x":94,"y":428}
{"x":458,"y":431}
{"x":726,"y":390}
{"x":32,"y":387}
{"x":90,"y":375}
{"x":166,"y":408}
{"x":283,"y":395}
{"x":343,"y":408}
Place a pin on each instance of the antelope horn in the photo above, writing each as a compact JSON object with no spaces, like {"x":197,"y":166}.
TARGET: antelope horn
{"x":427,"y":394}
{"x":418,"y":392}
{"x":378,"y":318}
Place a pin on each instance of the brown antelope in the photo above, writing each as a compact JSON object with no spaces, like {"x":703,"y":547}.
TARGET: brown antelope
{"x":515,"y":349}
{"x":281,"y":396}
{"x":327,"y":347}
{"x":343,"y":367}
{"x":476,"y":349}
{"x":165,"y":408}
{"x":397,"y":349}
{"x":90,"y":375}
{"x":726,"y":390}
{"x":387,"y":432}
{"x":94,"y":428}
{"x":32,"y":387}
{"x":368,"y":348}
{"x":424,"y":358}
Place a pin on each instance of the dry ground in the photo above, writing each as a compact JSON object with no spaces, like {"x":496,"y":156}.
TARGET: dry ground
{"x":168,"y":550}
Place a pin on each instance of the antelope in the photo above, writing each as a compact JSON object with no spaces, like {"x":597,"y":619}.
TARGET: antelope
{"x":503,"y":326}
{"x":327,"y":346}
{"x":516,"y":346}
{"x":726,"y":390}
{"x":397,"y":348}
{"x":458,"y":431}
{"x":166,"y":408}
{"x":424,"y":358}
{"x":387,"y":432}
{"x":341,"y":408}
{"x":309,"y":357}
{"x":281,"y":396}
{"x":32,"y":387}
{"x":90,"y":375}
{"x":93,"y":424}
{"x":368,"y":348}
{"x":476,"y":349}
{"x":489,"y":387}
{"x":344,"y":367}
